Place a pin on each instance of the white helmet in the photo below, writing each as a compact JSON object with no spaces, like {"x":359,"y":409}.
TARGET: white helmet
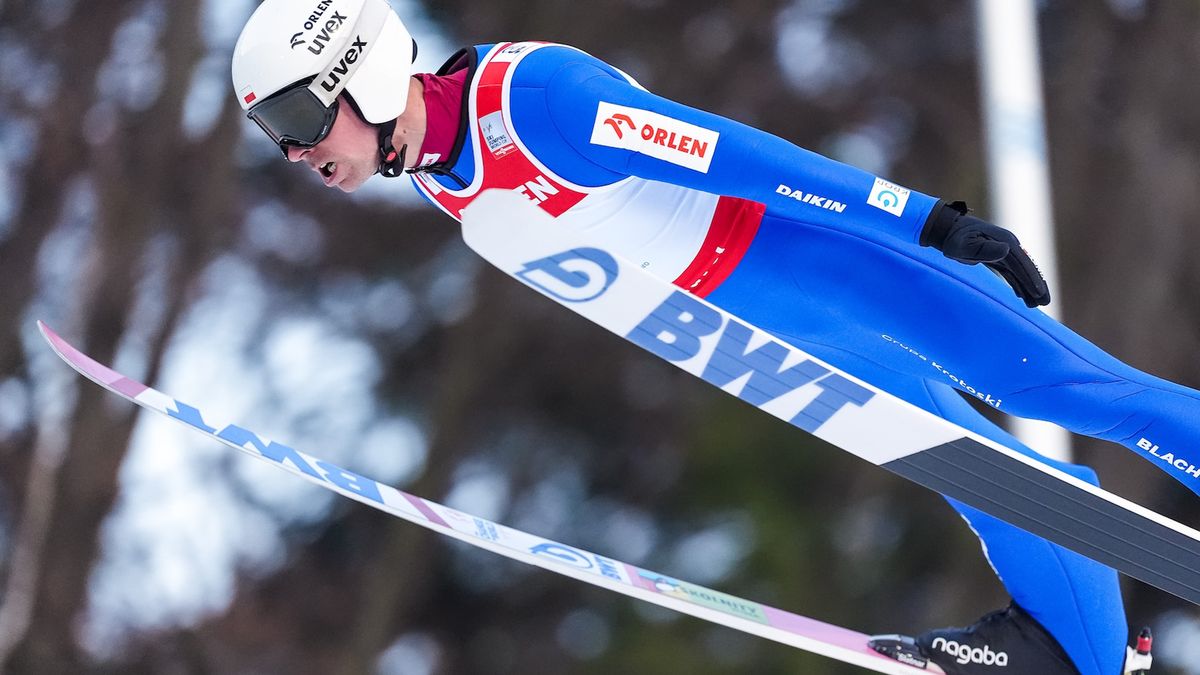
{"x":294,"y":57}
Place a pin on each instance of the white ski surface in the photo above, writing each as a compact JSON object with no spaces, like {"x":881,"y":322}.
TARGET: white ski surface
{"x":510,"y":232}
{"x":514,"y":235}
{"x":791,"y":629}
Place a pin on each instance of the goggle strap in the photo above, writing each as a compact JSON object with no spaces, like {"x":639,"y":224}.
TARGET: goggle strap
{"x":372,"y":20}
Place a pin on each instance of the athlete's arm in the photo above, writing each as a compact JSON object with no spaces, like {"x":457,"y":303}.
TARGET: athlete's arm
{"x":622,"y":128}
{"x":631,"y":131}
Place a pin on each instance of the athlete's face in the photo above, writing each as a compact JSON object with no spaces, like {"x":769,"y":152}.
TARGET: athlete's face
{"x":348,"y":156}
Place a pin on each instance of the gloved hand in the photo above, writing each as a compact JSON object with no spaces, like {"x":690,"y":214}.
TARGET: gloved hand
{"x":970,"y":240}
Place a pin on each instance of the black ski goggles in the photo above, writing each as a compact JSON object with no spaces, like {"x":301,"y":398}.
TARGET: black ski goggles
{"x":295,"y":117}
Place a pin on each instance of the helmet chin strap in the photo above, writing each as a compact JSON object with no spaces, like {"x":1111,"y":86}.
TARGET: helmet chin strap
{"x":391,"y":160}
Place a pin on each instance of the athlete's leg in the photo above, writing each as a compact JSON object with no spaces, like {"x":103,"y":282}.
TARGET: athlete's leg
{"x":928,"y":316}
{"x":1077,"y":600}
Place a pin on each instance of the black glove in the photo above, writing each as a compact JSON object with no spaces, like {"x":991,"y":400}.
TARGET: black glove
{"x":969,"y":240}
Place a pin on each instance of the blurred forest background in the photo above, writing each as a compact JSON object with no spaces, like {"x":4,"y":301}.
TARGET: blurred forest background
{"x":146,"y":220}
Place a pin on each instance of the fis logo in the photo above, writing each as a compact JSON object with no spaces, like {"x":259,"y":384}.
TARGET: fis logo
{"x":964,"y":654}
{"x":514,"y":51}
{"x":578,"y":275}
{"x":655,"y":135}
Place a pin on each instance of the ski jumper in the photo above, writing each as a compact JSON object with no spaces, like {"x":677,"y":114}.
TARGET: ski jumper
{"x":824,"y":256}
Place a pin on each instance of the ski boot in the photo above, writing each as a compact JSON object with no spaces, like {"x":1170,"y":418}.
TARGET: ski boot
{"x":1004,"y":641}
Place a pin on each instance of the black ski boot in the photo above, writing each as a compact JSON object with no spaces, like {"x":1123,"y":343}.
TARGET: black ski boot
{"x":1005,"y":641}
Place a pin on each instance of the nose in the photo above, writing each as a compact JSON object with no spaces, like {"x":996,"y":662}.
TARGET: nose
{"x":296,"y":154}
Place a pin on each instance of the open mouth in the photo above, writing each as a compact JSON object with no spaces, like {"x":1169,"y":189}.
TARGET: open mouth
{"x":328,"y":169}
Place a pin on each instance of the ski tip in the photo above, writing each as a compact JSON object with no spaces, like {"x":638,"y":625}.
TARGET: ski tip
{"x":89,"y":367}
{"x":48,"y":334}
{"x":60,"y":346}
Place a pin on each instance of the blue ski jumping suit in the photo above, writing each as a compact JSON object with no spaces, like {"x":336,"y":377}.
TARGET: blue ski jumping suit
{"x":826,"y":257}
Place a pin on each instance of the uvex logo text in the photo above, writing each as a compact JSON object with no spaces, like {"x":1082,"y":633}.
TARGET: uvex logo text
{"x":356,"y":51}
{"x":655,"y":135}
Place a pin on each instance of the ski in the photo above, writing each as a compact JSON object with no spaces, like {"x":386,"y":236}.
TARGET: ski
{"x":514,"y":235}
{"x":821,"y":638}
